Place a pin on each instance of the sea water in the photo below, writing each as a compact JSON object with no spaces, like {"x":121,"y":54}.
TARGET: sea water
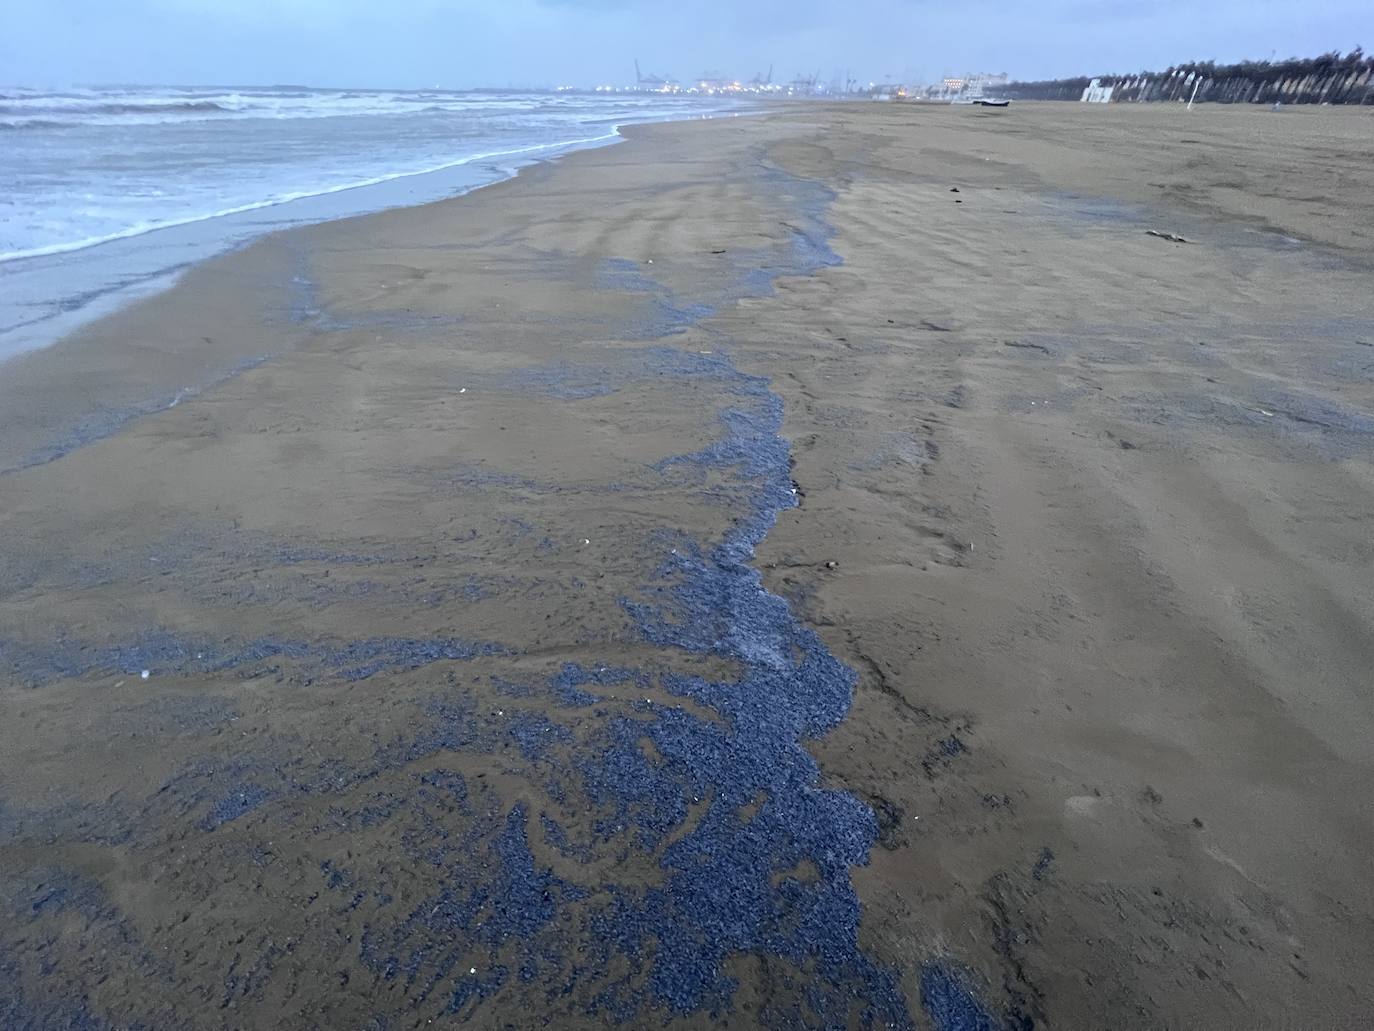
{"x":107,"y":194}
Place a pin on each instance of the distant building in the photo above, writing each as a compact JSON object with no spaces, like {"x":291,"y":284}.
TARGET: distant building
{"x":1096,"y":93}
{"x":973,"y":87}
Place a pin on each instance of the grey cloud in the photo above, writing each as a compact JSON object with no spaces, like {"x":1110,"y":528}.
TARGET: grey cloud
{"x":548,"y":42}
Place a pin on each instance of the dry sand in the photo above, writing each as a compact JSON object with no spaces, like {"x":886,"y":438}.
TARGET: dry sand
{"x":465,"y":703}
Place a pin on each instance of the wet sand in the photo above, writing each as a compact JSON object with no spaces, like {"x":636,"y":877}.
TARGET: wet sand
{"x":827,"y":569}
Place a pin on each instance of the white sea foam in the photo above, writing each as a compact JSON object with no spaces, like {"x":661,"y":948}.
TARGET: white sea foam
{"x":141,"y":228}
{"x":32,"y":110}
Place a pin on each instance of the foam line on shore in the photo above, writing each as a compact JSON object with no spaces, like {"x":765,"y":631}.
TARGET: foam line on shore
{"x":152,"y":227}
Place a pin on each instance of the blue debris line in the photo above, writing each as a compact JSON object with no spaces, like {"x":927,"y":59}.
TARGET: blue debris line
{"x":672,"y":820}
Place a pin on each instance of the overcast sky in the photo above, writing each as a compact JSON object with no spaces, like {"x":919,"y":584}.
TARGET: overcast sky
{"x":584,"y":42}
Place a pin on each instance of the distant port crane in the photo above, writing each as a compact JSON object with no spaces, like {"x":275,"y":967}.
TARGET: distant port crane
{"x":652,"y":81}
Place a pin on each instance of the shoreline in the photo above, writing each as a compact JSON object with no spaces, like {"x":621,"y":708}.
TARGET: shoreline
{"x":40,"y":426}
{"x":161,"y":253}
{"x":562,"y":146}
{"x":1049,"y":655}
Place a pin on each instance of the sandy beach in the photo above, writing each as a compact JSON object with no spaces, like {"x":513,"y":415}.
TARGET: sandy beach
{"x":865,"y":565}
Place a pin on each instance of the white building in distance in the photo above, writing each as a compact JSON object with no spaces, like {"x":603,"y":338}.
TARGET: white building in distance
{"x":1096,"y":93}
